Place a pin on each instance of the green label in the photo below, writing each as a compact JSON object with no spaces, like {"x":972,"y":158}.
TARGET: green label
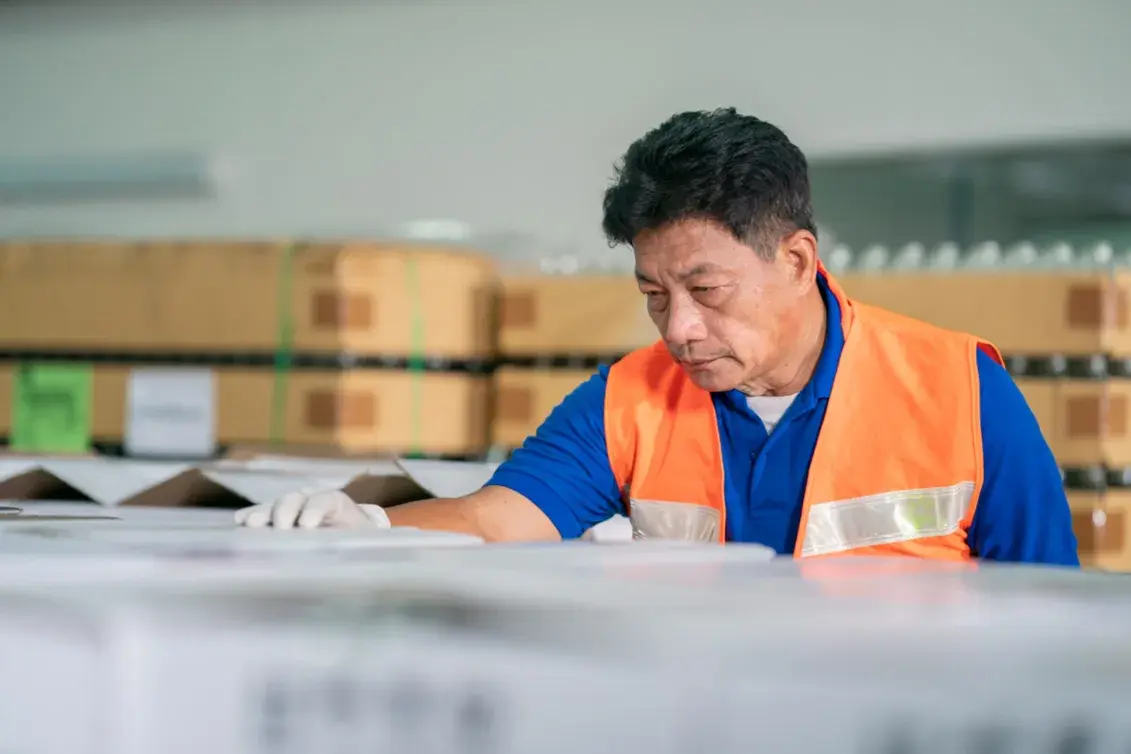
{"x":51,"y":408}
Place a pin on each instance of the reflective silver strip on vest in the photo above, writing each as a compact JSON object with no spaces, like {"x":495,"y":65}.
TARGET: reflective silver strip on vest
{"x":891,"y":517}
{"x":656,"y":519}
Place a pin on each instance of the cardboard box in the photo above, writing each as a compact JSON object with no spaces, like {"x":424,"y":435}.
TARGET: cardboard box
{"x":1086,"y":422}
{"x":565,"y":315}
{"x":353,"y":410}
{"x":247,"y":298}
{"x":1027,"y":313}
{"x":1102,"y":522}
{"x":525,"y":397}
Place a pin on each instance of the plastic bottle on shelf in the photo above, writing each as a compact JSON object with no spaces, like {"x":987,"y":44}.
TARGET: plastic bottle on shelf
{"x":562,"y":260}
{"x":911,"y":258}
{"x":607,"y":265}
{"x":1022,"y":255}
{"x":875,"y":258}
{"x":945,"y":258}
{"x":984,"y":256}
{"x":1098,"y":256}
{"x":1058,"y":256}
{"x":1123,"y":259}
{"x":839,"y":259}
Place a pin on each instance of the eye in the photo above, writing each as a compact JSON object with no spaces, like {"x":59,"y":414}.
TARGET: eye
{"x":657,"y":300}
{"x":709,"y":295}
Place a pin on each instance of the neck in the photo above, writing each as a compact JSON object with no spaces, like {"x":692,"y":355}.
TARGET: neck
{"x":797,"y":365}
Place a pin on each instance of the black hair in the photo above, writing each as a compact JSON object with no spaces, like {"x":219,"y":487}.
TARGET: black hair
{"x":736,"y":170}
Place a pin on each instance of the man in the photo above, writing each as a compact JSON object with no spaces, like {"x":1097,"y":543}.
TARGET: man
{"x":773,"y":409}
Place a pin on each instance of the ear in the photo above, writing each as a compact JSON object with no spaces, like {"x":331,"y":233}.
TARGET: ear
{"x":798,"y":252}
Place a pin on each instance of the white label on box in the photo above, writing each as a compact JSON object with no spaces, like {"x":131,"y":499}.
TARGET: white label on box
{"x":171,"y":413}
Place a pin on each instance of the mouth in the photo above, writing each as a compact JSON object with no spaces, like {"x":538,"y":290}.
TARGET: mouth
{"x":698,"y":363}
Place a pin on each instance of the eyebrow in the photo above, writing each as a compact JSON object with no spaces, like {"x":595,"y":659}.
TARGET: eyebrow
{"x":700,"y":269}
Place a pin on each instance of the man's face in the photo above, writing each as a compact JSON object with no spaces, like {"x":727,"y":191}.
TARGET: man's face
{"x":726,"y":314}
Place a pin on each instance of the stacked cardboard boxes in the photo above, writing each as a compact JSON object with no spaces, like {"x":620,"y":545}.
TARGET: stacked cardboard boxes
{"x":554,"y":331}
{"x":175,"y":348}
{"x":1066,"y":336}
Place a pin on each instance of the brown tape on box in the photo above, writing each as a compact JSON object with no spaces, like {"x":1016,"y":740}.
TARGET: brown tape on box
{"x":518,"y":309}
{"x":1100,"y":521}
{"x":514,"y":403}
{"x":525,"y":397}
{"x":1096,"y":416}
{"x":1102,"y":304}
{"x":1090,"y":423}
{"x":1092,"y":540}
{"x":352,"y":410}
{"x":342,"y":311}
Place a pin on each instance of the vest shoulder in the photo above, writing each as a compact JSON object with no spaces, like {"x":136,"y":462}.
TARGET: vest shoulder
{"x":648,"y":358}
{"x":646,"y":373}
{"x":911,"y":330}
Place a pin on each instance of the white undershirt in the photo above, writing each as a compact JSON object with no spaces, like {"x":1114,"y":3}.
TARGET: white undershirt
{"x":770,"y":408}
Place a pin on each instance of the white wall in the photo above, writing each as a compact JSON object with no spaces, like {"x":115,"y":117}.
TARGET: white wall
{"x":508,"y":114}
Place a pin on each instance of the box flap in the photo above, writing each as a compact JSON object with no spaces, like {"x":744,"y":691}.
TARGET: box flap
{"x":109,"y":482}
{"x":260,"y":487}
{"x":25,"y":478}
{"x":263,"y":479}
{"x":447,"y":478}
{"x":230,"y":482}
{"x":191,"y":488}
{"x":112,"y":481}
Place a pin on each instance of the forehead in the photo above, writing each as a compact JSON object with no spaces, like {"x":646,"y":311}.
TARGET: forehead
{"x":679,"y":248}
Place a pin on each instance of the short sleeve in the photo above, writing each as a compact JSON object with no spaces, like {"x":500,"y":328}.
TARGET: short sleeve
{"x":1022,"y":514}
{"x":564,"y":467}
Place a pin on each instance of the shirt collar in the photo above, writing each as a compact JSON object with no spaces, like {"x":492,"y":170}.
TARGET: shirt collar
{"x":825,"y":371}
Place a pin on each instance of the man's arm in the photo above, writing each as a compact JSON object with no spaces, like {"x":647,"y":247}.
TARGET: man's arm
{"x":556,"y":486}
{"x":1022,"y":514}
{"x":494,"y":513}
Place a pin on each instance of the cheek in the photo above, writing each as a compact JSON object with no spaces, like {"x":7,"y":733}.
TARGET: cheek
{"x":746,"y":341}
{"x":757,"y":328}
{"x":754,"y":348}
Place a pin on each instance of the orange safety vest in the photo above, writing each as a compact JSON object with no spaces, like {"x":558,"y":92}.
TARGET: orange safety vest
{"x":897,"y":467}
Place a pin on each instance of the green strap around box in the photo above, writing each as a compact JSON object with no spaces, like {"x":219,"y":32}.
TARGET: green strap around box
{"x":284,"y":346}
{"x":416,"y":361}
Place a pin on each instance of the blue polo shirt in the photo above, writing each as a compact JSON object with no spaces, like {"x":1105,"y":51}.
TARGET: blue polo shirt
{"x":1022,"y":514}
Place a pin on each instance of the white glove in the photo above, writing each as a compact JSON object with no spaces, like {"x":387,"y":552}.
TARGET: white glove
{"x":309,"y":509}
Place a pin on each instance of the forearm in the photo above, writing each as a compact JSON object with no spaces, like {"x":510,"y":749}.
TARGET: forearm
{"x":438,"y":514}
{"x":493,"y":513}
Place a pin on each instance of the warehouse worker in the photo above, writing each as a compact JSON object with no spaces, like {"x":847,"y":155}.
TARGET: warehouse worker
{"x":774,"y":409}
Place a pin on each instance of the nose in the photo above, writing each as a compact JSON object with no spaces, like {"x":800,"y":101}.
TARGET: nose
{"x":684,"y":324}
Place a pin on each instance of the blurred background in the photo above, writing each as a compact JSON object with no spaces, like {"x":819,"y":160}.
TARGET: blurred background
{"x":935,"y":121}
{"x":374,"y":227}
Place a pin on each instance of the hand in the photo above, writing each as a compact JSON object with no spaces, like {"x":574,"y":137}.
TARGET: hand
{"x":308,"y":509}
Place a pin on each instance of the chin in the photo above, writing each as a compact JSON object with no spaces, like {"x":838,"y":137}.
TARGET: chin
{"x":713,"y":381}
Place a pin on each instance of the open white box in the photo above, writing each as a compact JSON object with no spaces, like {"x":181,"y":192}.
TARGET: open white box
{"x":115,"y":482}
